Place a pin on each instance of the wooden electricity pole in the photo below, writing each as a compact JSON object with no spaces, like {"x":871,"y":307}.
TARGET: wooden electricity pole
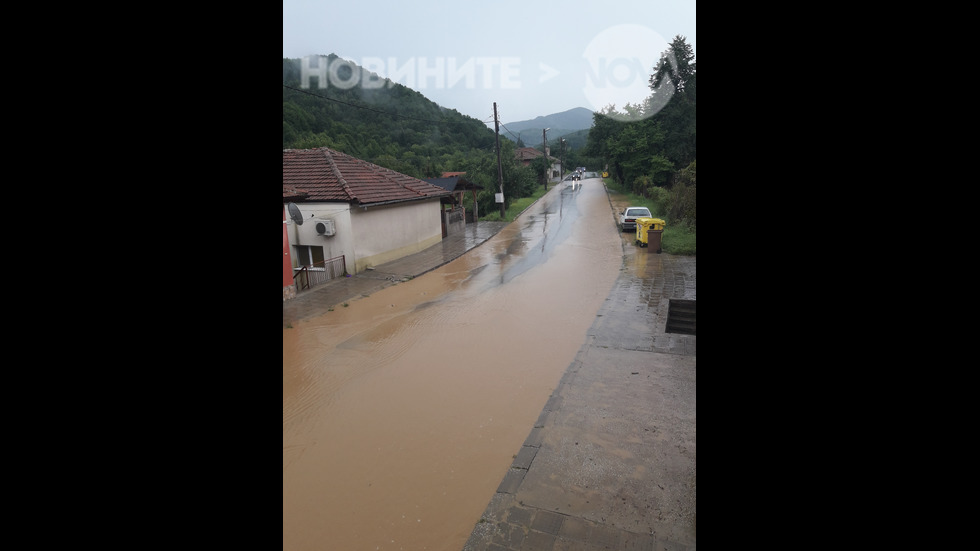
{"x":561,"y":174}
{"x":544,"y":150}
{"x":500,"y":172}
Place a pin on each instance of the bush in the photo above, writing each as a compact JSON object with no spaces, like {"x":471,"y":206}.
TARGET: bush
{"x":657,"y":198}
{"x":660,"y":198}
{"x":682,"y":204}
{"x":685,"y":195}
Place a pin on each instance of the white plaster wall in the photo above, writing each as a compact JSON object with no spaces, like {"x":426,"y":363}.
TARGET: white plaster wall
{"x":340,"y":244}
{"x":390,"y":232}
{"x":368,"y":237}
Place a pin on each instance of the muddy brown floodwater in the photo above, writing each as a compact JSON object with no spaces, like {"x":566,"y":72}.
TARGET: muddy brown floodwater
{"x":402,"y":412}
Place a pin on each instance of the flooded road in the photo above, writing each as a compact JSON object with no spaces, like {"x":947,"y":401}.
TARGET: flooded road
{"x":402,"y":412}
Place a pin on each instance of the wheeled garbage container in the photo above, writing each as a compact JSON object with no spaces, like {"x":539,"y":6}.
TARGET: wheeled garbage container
{"x":642,"y":231}
{"x":649,"y":231}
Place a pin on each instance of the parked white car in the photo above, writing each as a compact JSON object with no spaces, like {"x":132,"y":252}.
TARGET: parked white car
{"x":627,"y":218}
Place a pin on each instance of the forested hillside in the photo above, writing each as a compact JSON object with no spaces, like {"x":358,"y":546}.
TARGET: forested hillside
{"x":387,"y":124}
{"x":396,"y":127}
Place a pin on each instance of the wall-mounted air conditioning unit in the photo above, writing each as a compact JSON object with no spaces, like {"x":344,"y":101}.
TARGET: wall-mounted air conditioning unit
{"x":325,"y":227}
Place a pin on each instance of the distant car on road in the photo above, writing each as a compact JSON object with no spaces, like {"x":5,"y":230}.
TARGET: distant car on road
{"x":627,"y":218}
{"x":572,"y":176}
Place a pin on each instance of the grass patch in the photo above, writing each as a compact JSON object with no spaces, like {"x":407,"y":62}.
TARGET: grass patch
{"x":680,"y":240}
{"x":634,"y":199}
{"x":516,"y":207}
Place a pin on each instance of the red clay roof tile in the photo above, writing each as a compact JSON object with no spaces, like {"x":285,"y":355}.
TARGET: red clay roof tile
{"x":328,"y":175}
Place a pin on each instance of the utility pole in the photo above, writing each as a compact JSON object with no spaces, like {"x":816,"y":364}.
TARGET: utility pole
{"x":544,"y":150}
{"x":561,"y":173}
{"x":500,"y":172}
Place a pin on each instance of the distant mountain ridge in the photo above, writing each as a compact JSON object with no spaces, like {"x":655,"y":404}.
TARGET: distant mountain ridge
{"x":558,"y":124}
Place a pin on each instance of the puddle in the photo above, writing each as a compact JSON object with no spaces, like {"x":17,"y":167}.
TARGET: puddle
{"x":402,"y":412}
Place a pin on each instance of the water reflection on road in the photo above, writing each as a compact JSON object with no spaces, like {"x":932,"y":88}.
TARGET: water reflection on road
{"x":402,"y":412}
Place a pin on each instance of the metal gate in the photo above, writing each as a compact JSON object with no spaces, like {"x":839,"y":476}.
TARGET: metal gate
{"x":319,"y":272}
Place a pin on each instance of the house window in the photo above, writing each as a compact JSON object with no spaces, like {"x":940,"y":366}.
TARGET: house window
{"x":307,"y":255}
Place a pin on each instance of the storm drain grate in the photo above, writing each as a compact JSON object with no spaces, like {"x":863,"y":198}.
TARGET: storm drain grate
{"x":682,"y":317}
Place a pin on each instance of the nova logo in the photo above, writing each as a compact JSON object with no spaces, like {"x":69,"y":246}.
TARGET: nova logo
{"x":621,"y":60}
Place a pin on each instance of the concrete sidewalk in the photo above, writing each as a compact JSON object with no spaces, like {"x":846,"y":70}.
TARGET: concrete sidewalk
{"x":318,"y":300}
{"x":611,"y":462}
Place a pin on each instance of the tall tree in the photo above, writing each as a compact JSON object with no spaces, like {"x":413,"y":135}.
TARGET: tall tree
{"x":678,"y":117}
{"x":648,"y":143}
{"x":676,"y":64}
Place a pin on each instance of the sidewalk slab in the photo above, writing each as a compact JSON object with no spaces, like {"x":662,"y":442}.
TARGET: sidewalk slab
{"x":611,"y":462}
{"x":320,"y":299}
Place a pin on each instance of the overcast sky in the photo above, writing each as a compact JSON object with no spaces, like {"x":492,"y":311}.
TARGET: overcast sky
{"x":531,"y":58}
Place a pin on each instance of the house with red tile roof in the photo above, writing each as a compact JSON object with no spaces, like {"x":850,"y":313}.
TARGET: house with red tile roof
{"x":349,"y":212}
{"x":526,"y":155}
{"x":457,"y":184}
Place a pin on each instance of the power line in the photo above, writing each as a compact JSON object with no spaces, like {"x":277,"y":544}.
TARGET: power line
{"x":509,"y":132}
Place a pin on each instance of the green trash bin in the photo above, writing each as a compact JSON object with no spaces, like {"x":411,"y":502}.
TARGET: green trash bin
{"x":649,"y":231}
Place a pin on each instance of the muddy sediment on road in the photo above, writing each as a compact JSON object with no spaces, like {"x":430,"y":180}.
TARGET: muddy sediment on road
{"x":401,"y":412}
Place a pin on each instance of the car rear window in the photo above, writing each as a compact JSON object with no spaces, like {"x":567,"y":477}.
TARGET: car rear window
{"x":638,"y":212}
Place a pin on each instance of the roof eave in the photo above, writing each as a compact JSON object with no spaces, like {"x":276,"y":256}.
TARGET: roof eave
{"x":366,"y":206}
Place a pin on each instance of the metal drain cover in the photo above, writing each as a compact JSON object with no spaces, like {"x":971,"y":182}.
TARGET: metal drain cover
{"x":682,"y":316}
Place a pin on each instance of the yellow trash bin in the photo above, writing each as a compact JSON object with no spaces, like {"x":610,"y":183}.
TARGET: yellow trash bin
{"x":649,"y":231}
{"x":642,"y":230}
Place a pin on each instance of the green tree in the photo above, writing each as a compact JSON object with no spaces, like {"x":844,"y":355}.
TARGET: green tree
{"x":646,"y":144}
{"x":676,"y":64}
{"x":679,"y":116}
{"x":604,"y":127}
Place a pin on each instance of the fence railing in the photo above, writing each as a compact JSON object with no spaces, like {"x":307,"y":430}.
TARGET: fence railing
{"x":319,"y":272}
